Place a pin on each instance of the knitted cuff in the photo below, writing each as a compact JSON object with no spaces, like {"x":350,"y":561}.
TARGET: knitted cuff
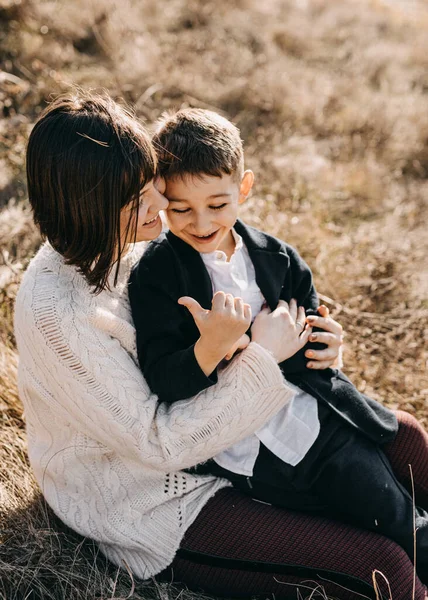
{"x":258,"y":369}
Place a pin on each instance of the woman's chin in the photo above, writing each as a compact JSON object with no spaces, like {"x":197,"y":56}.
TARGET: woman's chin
{"x":147,"y":233}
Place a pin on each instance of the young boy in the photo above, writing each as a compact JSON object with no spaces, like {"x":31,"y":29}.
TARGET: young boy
{"x":322,"y":452}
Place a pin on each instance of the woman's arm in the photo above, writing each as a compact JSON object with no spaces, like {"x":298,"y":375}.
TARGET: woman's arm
{"x":84,"y":374}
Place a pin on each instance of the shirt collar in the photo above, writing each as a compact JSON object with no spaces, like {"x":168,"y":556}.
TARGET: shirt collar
{"x":219,"y":255}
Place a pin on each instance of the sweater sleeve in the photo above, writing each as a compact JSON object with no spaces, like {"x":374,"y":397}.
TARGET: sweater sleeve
{"x":85,"y":375}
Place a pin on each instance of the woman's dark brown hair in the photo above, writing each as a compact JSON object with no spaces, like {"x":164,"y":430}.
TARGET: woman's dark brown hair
{"x":87,"y":158}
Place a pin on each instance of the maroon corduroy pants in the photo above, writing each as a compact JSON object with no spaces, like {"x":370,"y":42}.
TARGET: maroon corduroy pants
{"x":238,"y":547}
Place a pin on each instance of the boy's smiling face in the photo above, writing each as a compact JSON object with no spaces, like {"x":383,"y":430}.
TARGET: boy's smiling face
{"x":203,"y":209}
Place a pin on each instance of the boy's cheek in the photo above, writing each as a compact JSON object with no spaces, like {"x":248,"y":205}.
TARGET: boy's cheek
{"x":171,"y":221}
{"x":168,"y":216}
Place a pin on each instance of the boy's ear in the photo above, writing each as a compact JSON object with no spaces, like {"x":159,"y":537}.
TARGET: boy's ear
{"x":246,"y":185}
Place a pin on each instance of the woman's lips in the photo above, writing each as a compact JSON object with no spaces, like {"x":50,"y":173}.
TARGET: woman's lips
{"x":153,"y":222}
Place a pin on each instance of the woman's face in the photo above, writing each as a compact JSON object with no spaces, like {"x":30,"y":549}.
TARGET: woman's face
{"x":149,"y":223}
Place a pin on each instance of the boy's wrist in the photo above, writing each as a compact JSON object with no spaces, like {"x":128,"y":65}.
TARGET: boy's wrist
{"x":207,"y":356}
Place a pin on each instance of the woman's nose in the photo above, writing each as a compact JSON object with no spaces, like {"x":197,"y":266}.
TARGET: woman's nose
{"x":162,"y":202}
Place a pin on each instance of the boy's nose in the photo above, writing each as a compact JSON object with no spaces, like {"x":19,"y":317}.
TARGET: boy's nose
{"x":202,"y":225}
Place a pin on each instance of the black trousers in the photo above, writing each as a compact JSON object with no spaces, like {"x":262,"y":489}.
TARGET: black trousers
{"x":345,"y":476}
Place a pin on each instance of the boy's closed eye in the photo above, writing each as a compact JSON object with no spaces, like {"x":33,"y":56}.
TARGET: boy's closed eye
{"x":179,"y":210}
{"x":219,"y":206}
{"x":185,"y":210}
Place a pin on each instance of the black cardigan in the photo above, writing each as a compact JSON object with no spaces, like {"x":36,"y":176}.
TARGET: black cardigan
{"x":166,"y":331}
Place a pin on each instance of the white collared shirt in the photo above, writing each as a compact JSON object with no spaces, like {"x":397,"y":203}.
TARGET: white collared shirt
{"x":293,"y":430}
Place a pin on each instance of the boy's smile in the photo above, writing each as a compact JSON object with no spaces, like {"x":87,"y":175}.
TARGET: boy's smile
{"x":203,"y":209}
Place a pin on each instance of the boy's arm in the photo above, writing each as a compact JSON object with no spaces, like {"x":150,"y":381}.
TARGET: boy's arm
{"x":299,"y":284}
{"x":165,"y":343}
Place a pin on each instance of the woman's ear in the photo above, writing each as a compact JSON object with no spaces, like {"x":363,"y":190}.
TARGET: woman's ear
{"x":246,"y":185}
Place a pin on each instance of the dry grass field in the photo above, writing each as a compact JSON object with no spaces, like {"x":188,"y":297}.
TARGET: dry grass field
{"x":331,"y":97}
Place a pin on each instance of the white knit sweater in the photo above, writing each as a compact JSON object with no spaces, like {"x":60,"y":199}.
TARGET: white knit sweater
{"x":106,"y":455}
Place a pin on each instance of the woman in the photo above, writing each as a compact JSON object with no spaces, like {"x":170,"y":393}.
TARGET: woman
{"x":110,"y":460}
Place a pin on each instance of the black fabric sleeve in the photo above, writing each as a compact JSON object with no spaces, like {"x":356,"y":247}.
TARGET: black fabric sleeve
{"x":299,"y":284}
{"x":164,"y":345}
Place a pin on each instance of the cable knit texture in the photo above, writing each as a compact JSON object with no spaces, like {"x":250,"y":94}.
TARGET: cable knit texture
{"x":108,"y":457}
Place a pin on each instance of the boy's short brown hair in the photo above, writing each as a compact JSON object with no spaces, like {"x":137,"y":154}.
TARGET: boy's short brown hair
{"x":87,"y":158}
{"x":198,"y":142}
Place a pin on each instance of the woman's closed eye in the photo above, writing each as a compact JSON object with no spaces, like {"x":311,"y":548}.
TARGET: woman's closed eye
{"x":219,"y":206}
{"x":143,"y":195}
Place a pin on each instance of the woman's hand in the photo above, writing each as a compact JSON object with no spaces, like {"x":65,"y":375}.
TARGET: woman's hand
{"x":332,"y":337}
{"x":281,"y":331}
{"x":221,"y":328}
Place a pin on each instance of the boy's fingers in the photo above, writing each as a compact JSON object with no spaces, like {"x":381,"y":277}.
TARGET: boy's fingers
{"x":239,"y":306}
{"x":247,"y":312}
{"x":262,"y":314}
{"x":229,"y":301}
{"x":192,"y":306}
{"x":243,"y":310}
{"x":219,"y":300}
{"x":293,"y":309}
{"x":232,"y":351}
{"x":301,"y":316}
{"x":304,"y":337}
{"x":283,"y":304}
{"x":244,"y":341}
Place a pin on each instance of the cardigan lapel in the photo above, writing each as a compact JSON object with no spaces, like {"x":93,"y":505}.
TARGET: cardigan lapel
{"x":270,"y":261}
{"x":197,"y":282}
{"x":268,"y":256}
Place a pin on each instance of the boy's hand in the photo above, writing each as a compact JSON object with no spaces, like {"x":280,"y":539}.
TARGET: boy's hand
{"x":241,"y":344}
{"x":220,"y":328}
{"x":281,"y":331}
